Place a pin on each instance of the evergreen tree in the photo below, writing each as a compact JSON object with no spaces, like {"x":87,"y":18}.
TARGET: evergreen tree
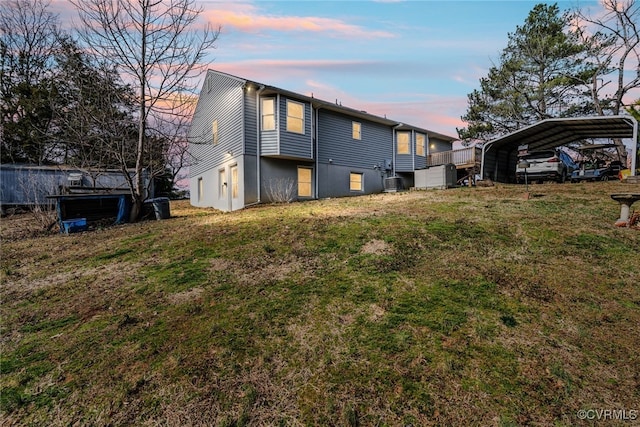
{"x":28,"y":34}
{"x":534,"y":79}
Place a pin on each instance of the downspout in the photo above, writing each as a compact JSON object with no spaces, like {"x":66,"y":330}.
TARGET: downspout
{"x":315,"y":120}
{"x":394,"y":148}
{"x":277,"y":118}
{"x":413,"y":152}
{"x":258,"y":156}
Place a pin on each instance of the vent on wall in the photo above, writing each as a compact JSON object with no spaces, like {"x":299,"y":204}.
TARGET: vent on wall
{"x":392,"y":184}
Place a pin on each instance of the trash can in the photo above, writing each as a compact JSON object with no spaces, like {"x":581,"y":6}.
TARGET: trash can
{"x":161,"y":207}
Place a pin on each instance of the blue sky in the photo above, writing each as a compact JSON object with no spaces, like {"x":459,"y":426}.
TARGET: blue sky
{"x":413,"y":61}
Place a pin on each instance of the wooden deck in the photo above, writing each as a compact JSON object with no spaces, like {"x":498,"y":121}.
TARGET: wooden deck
{"x":465,"y":158}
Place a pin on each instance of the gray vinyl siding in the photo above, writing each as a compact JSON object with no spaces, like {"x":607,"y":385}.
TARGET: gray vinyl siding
{"x":334,"y":180}
{"x":250,"y":123}
{"x":335,"y":141}
{"x":439,"y":145}
{"x":269,"y":142}
{"x":291,"y":144}
{"x":404,"y":163}
{"x":421,"y":162}
{"x":222,"y":98}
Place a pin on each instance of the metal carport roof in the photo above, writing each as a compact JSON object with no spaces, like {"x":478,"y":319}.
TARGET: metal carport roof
{"x":499,"y":156}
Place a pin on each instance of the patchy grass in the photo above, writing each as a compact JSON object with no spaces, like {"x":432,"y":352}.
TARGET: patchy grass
{"x":456,"y":307}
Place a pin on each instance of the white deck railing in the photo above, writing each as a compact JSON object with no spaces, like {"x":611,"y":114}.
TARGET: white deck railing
{"x":465,"y":157}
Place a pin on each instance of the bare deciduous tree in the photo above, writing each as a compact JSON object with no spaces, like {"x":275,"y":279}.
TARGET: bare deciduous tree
{"x":159,"y":47}
{"x":613,"y":41}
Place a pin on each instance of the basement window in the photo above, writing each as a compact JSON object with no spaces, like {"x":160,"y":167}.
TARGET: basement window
{"x":304,"y":182}
{"x":355,"y":181}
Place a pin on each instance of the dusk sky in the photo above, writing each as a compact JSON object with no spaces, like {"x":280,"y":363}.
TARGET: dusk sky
{"x":413,"y":61}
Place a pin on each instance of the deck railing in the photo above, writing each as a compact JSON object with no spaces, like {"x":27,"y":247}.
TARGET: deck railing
{"x":465,"y":157}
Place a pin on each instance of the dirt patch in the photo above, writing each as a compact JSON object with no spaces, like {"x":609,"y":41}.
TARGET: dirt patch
{"x":376,"y":247}
{"x":187,"y":296}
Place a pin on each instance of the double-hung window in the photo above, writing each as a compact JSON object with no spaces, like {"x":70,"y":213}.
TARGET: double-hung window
{"x":268,"y":114}
{"x":403,"y":143}
{"x":295,"y":117}
{"x":356,"y":130}
{"x":420,"y":144}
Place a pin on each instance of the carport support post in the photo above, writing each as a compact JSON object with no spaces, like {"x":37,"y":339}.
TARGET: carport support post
{"x":636,"y":148}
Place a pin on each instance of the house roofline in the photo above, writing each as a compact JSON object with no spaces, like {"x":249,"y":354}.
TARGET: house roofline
{"x":332,"y":106}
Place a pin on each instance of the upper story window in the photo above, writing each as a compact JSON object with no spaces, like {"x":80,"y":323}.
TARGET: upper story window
{"x":356,"y":130}
{"x":268,"y":114}
{"x":295,"y":117}
{"x":421,"y":140}
{"x":214,"y":131}
{"x":403,"y":143}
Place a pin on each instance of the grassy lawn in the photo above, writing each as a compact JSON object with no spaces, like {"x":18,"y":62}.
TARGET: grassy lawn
{"x":454,"y":307}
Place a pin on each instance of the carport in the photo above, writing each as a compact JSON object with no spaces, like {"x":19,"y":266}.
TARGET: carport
{"x":500,"y":156}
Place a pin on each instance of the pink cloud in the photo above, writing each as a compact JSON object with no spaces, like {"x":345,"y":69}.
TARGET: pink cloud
{"x":272,"y":71}
{"x":247,"y":18}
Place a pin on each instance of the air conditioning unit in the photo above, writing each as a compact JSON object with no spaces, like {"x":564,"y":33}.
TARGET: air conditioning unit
{"x":392,"y":184}
{"x":441,"y":176}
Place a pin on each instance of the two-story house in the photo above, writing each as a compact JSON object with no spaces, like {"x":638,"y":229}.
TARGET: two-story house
{"x":253,"y":143}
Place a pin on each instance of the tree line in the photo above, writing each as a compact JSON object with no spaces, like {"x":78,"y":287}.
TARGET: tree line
{"x":117,"y":92}
{"x":576,"y":63}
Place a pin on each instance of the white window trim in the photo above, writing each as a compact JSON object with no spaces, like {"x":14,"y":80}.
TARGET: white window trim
{"x":262,"y":114}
